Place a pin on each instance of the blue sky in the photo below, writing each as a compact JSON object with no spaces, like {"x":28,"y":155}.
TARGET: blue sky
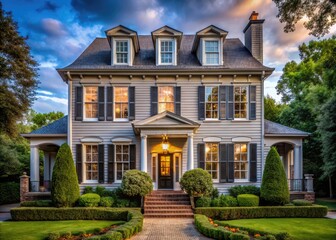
{"x":60,"y":30}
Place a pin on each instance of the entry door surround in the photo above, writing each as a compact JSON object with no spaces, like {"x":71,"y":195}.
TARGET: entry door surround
{"x":166,"y":171}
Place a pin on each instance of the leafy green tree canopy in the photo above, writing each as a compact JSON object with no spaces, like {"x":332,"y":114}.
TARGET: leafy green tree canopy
{"x":41,"y":119}
{"x":321,"y":14}
{"x":18,"y":74}
{"x":272,"y":109}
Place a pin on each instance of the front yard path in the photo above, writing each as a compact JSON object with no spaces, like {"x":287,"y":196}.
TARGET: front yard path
{"x":169,"y":228}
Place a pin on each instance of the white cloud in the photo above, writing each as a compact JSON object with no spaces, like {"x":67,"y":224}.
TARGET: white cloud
{"x":44,"y":92}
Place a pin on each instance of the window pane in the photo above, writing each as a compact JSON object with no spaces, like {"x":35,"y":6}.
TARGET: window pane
{"x":121,"y":102}
{"x":241,"y":162}
{"x":122,"y":51}
{"x":240,"y":102}
{"x":166,"y":99}
{"x":91,"y":102}
{"x":166,"y":51}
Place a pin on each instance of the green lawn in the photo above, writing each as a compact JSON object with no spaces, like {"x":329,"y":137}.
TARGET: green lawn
{"x":330,"y":203}
{"x":40,"y":229}
{"x":298,"y":228}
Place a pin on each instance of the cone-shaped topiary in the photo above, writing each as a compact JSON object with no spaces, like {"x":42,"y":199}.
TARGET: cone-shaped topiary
{"x":64,"y":188}
{"x":274,"y":187}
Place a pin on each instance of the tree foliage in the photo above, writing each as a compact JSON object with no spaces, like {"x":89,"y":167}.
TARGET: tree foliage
{"x":321,"y":15}
{"x":9,"y":163}
{"x":17,"y":74}
{"x":42,"y":119}
{"x":272,"y":109}
{"x":274,"y":187}
{"x":136,"y":183}
{"x":64,"y":188}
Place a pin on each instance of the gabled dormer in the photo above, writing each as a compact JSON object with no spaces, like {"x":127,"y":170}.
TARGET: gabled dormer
{"x":124,"y":44}
{"x":208,"y":45}
{"x":167,"y":42}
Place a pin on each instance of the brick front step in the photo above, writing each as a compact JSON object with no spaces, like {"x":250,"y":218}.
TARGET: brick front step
{"x":169,"y":215}
{"x":167,"y":197}
{"x":169,"y":211}
{"x":149,"y":207}
{"x":156,"y":203}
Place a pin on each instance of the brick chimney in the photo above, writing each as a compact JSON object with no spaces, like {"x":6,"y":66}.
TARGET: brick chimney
{"x":254,"y":36}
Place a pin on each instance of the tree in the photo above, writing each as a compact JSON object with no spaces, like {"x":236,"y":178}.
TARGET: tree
{"x":64,"y":188}
{"x":274,"y":187}
{"x":9,"y":163}
{"x":327,"y":128}
{"x":18,"y":73}
{"x":272,"y":109}
{"x":321,"y":15}
{"x":42,"y":119}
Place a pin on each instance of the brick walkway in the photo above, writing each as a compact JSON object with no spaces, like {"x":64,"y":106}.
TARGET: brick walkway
{"x":169,"y":228}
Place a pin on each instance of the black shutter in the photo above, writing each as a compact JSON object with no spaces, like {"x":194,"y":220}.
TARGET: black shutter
{"x":252,"y":102}
{"x":131,"y":103}
{"x":110,"y":165}
{"x":101,"y":163}
{"x":253,"y":162}
{"x":223,"y":163}
{"x":177,"y":100}
{"x":132,"y":156}
{"x":222,"y":102}
{"x":79,"y":161}
{"x":79,"y":103}
{"x":201,"y":155}
{"x":154,"y":100}
{"x":230,"y":158}
{"x":101,"y":103}
{"x":229,"y":102}
{"x":109,"y":104}
{"x":201,"y":103}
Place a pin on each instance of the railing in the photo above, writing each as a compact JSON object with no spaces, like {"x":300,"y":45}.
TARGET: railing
{"x":297,"y":185}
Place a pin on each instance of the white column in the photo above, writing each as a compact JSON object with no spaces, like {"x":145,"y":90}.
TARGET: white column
{"x":34,"y":168}
{"x":190,"y":160}
{"x":144,"y":153}
{"x":297,"y":162}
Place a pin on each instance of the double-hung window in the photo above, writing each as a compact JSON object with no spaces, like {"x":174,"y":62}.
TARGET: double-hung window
{"x":240,"y":102}
{"x":211,"y":102}
{"x":212,"y":52}
{"x":211,"y":159}
{"x":240,"y":161}
{"x":166,"y":51}
{"x":121,"y":51}
{"x":122,"y":154}
{"x":91,"y":103}
{"x":166,"y":99}
{"x":121,"y":103}
{"x":91,"y":163}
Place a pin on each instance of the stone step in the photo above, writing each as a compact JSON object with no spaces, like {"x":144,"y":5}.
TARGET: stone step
{"x":167,"y":207}
{"x":169,"y":215}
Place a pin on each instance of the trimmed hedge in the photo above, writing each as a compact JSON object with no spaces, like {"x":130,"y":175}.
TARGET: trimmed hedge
{"x":227,"y":201}
{"x":224,"y":213}
{"x":206,"y":228}
{"x":248,"y":200}
{"x":57,"y":214}
{"x":37,"y":203}
{"x":302,"y":202}
{"x":249,"y":189}
{"x":9,"y":192}
{"x":106,"y":201}
{"x":89,"y":200}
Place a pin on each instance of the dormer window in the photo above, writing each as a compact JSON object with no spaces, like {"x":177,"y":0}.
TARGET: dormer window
{"x":121,"y":51}
{"x":211,"y":52}
{"x":166,"y":51}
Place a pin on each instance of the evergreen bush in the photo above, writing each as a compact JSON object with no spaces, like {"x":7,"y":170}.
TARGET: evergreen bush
{"x":89,"y":200}
{"x":227,"y":201}
{"x":106,"y":201}
{"x":136,"y":183}
{"x":301,"y":202}
{"x":249,"y":189}
{"x":248,"y":200}
{"x":274,"y":187}
{"x":203,"y":202}
{"x":65,"y":188}
{"x":197,"y":182}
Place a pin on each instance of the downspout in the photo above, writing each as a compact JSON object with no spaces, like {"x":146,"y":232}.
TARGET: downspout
{"x":262,"y":123}
{"x":69,"y":140}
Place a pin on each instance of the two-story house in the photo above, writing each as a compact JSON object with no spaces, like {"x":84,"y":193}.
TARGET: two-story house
{"x":166,"y":103}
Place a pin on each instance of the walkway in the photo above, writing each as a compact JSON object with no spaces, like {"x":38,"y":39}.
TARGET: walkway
{"x":169,"y":228}
{"x":5,"y":211}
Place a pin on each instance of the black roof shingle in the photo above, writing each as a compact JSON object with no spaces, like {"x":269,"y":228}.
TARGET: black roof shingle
{"x":59,"y":126}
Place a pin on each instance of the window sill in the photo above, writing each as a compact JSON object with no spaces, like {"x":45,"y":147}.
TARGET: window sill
{"x":120,"y":120}
{"x":212,"y":120}
{"x":90,"y":120}
{"x":241,"y":120}
{"x":241,"y":181}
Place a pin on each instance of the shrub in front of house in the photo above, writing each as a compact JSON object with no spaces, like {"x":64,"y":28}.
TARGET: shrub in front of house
{"x":302,"y":202}
{"x":106,"y":201}
{"x":274,"y":187}
{"x":65,"y":188}
{"x":9,"y":192}
{"x":37,"y":203}
{"x":248,"y":200}
{"x":197,"y":183}
{"x":88,"y":189}
{"x":214,"y":202}
{"x":227,"y":201}
{"x":136,"y":183}
{"x":203,"y":202}
{"x":237,"y":190}
{"x":89,"y":200}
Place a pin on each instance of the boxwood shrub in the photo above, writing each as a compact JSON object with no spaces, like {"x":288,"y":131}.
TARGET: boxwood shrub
{"x":248,"y":200}
{"x":203,"y":202}
{"x":237,"y":190}
{"x":37,"y":203}
{"x":225,"y":213}
{"x":89,"y":200}
{"x":302,"y":202}
{"x":227,"y":201}
{"x":106,"y":201}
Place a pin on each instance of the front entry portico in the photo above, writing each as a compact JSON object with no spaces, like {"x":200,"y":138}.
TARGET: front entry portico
{"x":166,"y":161}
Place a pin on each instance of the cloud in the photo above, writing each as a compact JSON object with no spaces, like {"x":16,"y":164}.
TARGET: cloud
{"x":48,"y":6}
{"x":44,"y":92}
{"x":45,"y":105}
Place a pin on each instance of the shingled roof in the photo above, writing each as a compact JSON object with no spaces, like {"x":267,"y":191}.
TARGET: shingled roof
{"x":58,"y":127}
{"x":98,"y":57}
{"x":276,"y":129}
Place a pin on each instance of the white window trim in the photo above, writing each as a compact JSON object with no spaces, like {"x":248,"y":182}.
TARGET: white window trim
{"x":84,"y":112}
{"x":84,"y":163}
{"x":205,"y":103}
{"x":218,"y":155}
{"x":220,"y":51}
{"x":158,"y":51}
{"x":114,"y":54}
{"x":115,"y":160}
{"x":114,"y":108}
{"x":248,"y":163}
{"x":247,"y":104}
